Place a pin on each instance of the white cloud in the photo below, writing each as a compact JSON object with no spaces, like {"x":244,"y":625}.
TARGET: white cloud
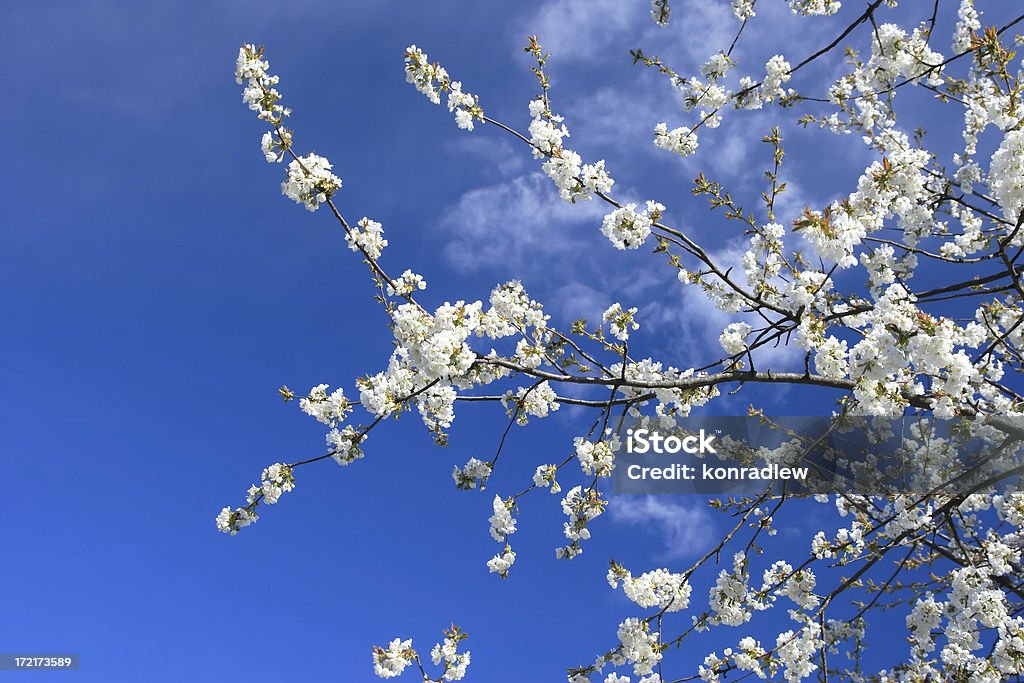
{"x":577,"y":300}
{"x":592,"y":30}
{"x":582,"y":29}
{"x":622,"y":117}
{"x":515,"y":224}
{"x":685,"y":530}
{"x":498,"y":156}
{"x":701,"y":29}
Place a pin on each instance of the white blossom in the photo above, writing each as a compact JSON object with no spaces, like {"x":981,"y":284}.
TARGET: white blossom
{"x":538,"y":401}
{"x":344,"y":445}
{"x":408,"y":284}
{"x":627,"y":228}
{"x":455,"y":663}
{"x":660,"y":12}
{"x":391,"y":661}
{"x":473,"y":475}
{"x":330,"y":409}
{"x":368,"y":236}
{"x":500,"y":564}
{"x":596,"y":459}
{"x":743,"y":9}
{"x":621,"y":321}
{"x":501,"y":521}
{"x":967,"y":23}
{"x":659,"y":588}
{"x":310,"y":181}
{"x":422,"y":74}
{"x":734,"y":338}
{"x":815,"y":7}
{"x":1007,"y":175}
{"x":681,"y":141}
{"x":639,"y":645}
{"x":545,"y":477}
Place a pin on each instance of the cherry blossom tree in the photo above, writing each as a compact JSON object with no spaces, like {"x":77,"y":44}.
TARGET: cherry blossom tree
{"x":837,"y":284}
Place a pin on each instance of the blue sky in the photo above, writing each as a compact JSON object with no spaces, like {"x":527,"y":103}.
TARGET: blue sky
{"x":157,"y":289}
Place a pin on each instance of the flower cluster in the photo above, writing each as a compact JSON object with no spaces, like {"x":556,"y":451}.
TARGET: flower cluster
{"x":502,"y":523}
{"x":734,"y":338}
{"x":310,"y":182}
{"x":473,"y":475}
{"x":627,"y":228}
{"x":669,"y":403}
{"x":232,"y":521}
{"x":391,"y":661}
{"x":259,"y":92}
{"x":831,"y":358}
{"x":660,"y":12}
{"x":465,"y":106}
{"x":274,"y":481}
{"x":728,"y":598}
{"x":537,"y":401}
{"x":575,"y":180}
{"x":777,"y":72}
{"x":621,"y":321}
{"x":330,"y":409}
{"x":681,"y":141}
{"x":814,"y":7}
{"x":545,"y":477}
{"x":367,"y":237}
{"x":659,"y":588}
{"x":345,"y":444}
{"x":409,"y":283}
{"x":639,"y":645}
{"x":502,"y":526}
{"x":455,"y":663}
{"x":580,"y":507}
{"x":967,"y":23}
{"x":431,"y":79}
{"x":500,"y":564}
{"x":743,"y":9}
{"x":796,"y":652}
{"x":596,"y":459}
{"x":275,"y":145}
{"x":1007,"y":176}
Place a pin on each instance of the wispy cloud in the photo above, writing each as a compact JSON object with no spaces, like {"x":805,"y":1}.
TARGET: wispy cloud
{"x":578,"y":300}
{"x":592,"y":30}
{"x":499,"y":157}
{"x":582,"y":29}
{"x":700,"y":29}
{"x":685,"y":530}
{"x":513,"y":224}
{"x":605,"y":112}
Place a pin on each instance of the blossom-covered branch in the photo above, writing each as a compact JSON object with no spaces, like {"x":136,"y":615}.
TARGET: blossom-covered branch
{"x":837,"y":284}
